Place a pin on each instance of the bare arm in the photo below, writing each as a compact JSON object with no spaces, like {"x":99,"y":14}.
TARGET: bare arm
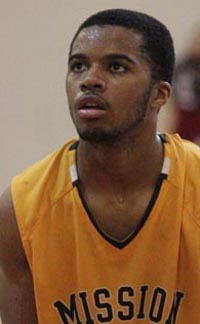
{"x":17,"y":303}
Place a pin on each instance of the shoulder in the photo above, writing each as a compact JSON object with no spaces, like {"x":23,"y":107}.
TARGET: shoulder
{"x":46,"y":178}
{"x":49,"y":165}
{"x":192,"y":156}
{"x":36,"y":189}
{"x":185,"y":157}
{"x":183,"y":148}
{"x":20,"y":199}
{"x":188,"y":157}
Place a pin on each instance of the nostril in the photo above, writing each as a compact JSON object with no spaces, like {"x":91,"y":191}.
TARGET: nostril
{"x":84,"y":87}
{"x":98,"y":86}
{"x":92,"y":86}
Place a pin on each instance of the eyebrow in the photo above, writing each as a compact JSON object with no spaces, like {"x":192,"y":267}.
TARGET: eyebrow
{"x":121,"y":57}
{"x":77,"y":56}
{"x":108,"y":57}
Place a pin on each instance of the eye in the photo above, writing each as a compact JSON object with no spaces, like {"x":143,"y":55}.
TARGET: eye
{"x":78,"y":67}
{"x":117,"y":67}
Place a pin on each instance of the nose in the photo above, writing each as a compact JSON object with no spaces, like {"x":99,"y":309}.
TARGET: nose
{"x":93,"y":81}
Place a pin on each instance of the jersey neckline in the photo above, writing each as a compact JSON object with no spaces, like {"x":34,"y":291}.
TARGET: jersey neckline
{"x":121,"y":244}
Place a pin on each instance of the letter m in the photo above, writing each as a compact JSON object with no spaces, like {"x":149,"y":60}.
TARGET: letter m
{"x":66,"y":312}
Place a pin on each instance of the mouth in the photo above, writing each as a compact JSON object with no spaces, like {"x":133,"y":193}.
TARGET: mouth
{"x":90,"y":107}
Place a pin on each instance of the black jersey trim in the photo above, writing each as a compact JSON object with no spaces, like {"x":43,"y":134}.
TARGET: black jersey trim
{"x":124,"y":243}
{"x":147,"y":212}
{"x":74,"y":146}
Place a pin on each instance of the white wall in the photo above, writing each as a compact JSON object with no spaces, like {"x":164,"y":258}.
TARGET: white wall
{"x":34,"y":39}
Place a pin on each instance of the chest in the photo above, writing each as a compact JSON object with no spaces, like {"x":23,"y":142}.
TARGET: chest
{"x":146,"y":275}
{"x":119,"y":217}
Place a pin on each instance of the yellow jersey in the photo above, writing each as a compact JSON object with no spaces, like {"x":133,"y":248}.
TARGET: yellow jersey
{"x":81,"y":275}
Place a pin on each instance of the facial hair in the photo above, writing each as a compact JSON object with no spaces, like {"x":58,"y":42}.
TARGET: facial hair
{"x":107,"y":137}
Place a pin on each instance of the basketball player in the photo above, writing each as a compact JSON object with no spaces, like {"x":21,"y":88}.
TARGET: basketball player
{"x":107,"y":228}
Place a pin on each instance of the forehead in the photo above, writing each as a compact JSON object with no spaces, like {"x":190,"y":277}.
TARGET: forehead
{"x":107,"y":39}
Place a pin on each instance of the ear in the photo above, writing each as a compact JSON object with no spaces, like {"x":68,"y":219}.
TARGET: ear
{"x":160,"y":94}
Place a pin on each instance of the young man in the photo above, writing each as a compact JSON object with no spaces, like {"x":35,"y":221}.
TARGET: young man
{"x":107,"y":229}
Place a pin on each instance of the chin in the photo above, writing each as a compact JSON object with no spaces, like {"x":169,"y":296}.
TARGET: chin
{"x":98,"y":136}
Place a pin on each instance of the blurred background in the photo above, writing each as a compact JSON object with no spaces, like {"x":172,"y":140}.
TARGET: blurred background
{"x":35,"y":36}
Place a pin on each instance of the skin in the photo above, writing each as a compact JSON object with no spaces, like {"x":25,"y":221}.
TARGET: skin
{"x":17,"y":304}
{"x":114,"y":148}
{"x":95,"y":61}
{"x":112,"y":154}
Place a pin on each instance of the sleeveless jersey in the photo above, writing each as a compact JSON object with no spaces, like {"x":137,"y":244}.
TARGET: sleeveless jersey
{"x":83,"y":276}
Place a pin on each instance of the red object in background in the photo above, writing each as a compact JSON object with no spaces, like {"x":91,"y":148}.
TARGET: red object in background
{"x":187,"y":98}
{"x":188,"y":125}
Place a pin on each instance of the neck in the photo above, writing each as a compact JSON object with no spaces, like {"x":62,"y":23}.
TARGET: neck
{"x":126,"y":164}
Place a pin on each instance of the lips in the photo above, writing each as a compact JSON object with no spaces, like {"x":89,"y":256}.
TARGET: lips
{"x":90,"y":107}
{"x":90,"y":102}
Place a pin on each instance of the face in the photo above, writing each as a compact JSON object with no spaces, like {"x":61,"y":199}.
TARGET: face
{"x":108,"y":83}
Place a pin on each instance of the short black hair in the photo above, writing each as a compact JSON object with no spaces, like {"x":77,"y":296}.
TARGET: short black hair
{"x":157,"y":45}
